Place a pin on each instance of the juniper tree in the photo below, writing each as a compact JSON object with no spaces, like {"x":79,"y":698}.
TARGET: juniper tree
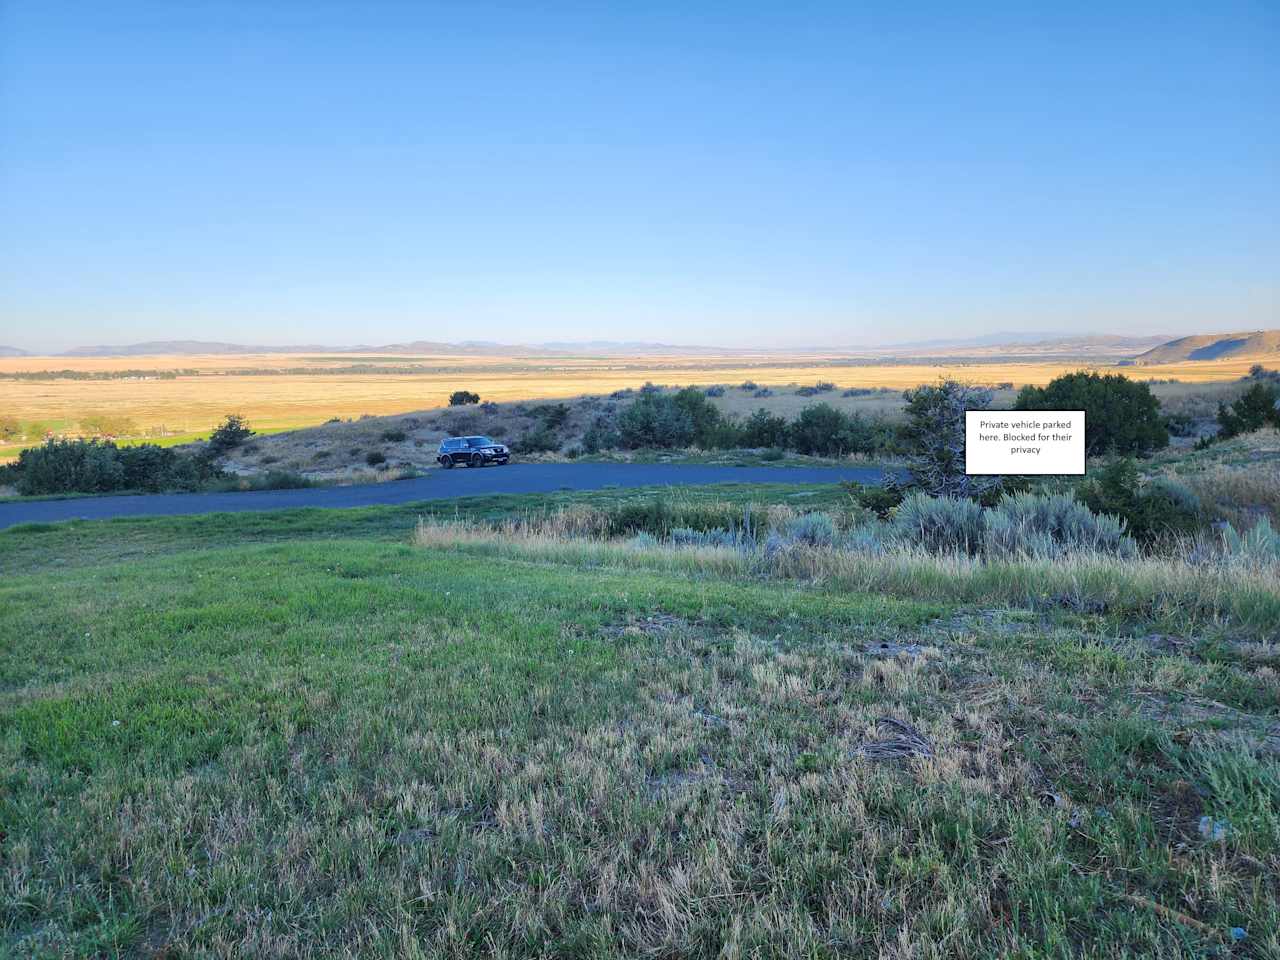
{"x":935,"y":429}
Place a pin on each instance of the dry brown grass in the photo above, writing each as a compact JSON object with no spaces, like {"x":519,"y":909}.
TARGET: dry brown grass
{"x":194,"y":403}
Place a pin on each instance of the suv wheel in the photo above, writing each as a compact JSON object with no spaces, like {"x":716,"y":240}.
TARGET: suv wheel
{"x":476,"y":460}
{"x":447,"y":462}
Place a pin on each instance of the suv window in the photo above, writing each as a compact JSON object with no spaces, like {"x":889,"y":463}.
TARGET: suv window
{"x":453,"y":444}
{"x":479,"y":442}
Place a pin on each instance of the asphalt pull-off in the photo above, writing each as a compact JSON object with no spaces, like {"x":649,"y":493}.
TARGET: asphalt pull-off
{"x":436,"y":485}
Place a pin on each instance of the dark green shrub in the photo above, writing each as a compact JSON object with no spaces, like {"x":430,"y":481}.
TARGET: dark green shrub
{"x":542,"y":440}
{"x":375,"y":457}
{"x":1180,"y":425}
{"x":1259,"y":372}
{"x":1254,"y":409}
{"x":69,"y":466}
{"x":232,"y":432}
{"x":1121,"y":415}
{"x":654,"y":420}
{"x":601,"y":435}
{"x":716,"y":391}
{"x":394,"y":435}
{"x":822,"y":386}
{"x":147,"y":467}
{"x":819,"y":430}
{"x":93,"y":466}
{"x":823,"y":431}
{"x":765,"y":429}
{"x":881,"y":500}
{"x":1161,"y":508}
{"x":462,"y":398}
{"x":552,"y":415}
{"x":710,"y":427}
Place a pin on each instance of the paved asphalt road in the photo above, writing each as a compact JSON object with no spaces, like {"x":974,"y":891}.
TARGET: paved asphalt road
{"x":435,"y":485}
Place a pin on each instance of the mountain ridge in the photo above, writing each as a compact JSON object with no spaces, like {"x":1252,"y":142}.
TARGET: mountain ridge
{"x":1243,"y":345}
{"x":1017,"y":341}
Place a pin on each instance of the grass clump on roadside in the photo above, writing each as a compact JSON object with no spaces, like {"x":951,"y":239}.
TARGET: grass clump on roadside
{"x":1045,"y":552}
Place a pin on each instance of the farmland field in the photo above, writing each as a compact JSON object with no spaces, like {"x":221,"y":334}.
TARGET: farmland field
{"x":277,"y":392}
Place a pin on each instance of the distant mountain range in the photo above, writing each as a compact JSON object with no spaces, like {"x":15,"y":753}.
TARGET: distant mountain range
{"x":1026,"y":344}
{"x":467,"y":348}
{"x":1034,"y":343}
{"x":1215,"y":346}
{"x":1022,"y":344}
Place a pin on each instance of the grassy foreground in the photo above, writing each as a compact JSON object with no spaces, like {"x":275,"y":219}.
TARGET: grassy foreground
{"x":302,"y":735}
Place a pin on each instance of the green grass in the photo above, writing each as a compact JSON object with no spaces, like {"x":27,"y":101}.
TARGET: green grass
{"x":298,"y":734}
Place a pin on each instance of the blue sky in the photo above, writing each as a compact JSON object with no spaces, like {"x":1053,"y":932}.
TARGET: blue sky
{"x":738,"y":174}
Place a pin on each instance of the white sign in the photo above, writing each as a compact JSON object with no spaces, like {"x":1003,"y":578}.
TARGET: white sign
{"x":1014,"y":441}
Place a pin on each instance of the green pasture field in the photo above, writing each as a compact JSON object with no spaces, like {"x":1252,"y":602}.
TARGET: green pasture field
{"x":302,"y":734}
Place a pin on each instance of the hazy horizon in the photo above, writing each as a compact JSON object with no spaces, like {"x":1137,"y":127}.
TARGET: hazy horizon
{"x":1011,"y":337}
{"x":754,"y":177}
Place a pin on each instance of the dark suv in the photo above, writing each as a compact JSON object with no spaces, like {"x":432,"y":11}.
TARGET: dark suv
{"x":473,"y":451}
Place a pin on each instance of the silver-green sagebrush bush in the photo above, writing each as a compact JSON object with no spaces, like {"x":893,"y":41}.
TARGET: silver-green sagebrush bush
{"x":940,"y":524}
{"x":815,"y":529}
{"x":1044,"y":527}
{"x":1259,"y":545}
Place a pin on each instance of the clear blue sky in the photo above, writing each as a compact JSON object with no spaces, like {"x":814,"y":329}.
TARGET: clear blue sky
{"x":728,"y":173}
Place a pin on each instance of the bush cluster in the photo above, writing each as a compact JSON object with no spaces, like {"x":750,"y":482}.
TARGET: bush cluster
{"x":1121,"y":415}
{"x":462,"y":398}
{"x":99,"y":466}
{"x":1257,"y":407}
{"x":688,"y":418}
{"x":544,"y":439}
{"x":228,"y":435}
{"x":1157,"y":510}
{"x":822,"y":386}
{"x":1019,"y":525}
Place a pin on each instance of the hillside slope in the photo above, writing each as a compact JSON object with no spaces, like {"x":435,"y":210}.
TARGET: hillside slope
{"x":1215,"y":346}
